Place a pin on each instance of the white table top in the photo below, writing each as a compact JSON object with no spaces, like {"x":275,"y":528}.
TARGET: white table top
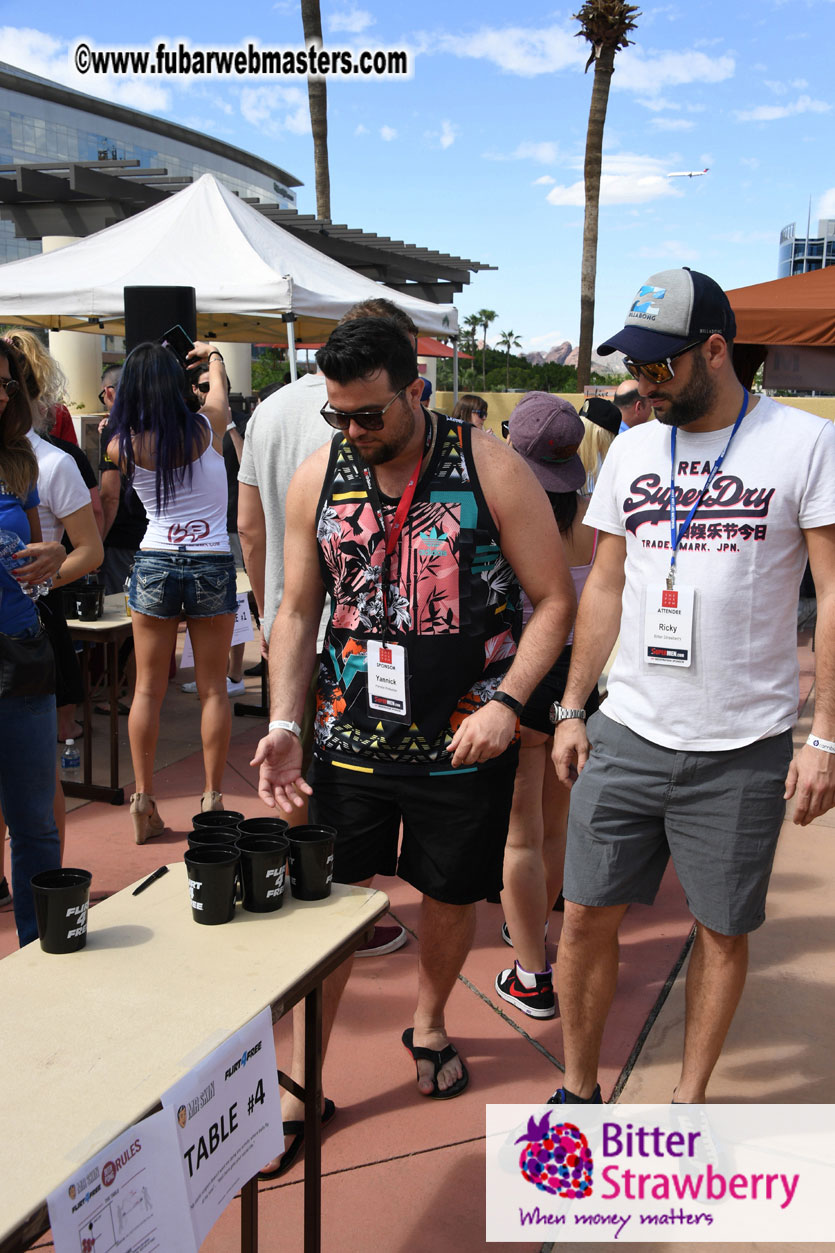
{"x":90,"y":1040}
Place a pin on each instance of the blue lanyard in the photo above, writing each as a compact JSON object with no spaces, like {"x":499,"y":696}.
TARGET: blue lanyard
{"x":675,"y":539}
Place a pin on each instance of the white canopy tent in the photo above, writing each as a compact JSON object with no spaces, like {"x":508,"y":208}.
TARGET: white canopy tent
{"x":254,"y":281}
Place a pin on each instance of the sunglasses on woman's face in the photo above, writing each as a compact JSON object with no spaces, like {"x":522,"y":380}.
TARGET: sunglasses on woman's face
{"x":203,"y":387}
{"x":10,"y":387}
{"x":368,"y":419}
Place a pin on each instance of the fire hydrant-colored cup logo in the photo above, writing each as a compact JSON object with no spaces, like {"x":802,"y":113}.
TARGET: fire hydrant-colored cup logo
{"x":556,"y":1159}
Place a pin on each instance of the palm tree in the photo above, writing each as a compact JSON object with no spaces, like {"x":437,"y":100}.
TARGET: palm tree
{"x":485,"y":317}
{"x":472,"y":323}
{"x":508,"y":340}
{"x":317,"y":96}
{"x":605,"y":24}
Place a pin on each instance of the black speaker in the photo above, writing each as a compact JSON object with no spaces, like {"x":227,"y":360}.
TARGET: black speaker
{"x":151,"y":311}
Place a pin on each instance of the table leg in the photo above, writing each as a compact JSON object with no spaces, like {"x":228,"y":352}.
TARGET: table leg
{"x":87,"y":705}
{"x":249,"y":1217}
{"x":113,"y":667}
{"x":313,"y":1120}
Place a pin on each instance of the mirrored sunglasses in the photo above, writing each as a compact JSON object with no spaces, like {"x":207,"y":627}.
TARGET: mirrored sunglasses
{"x":657,"y":371}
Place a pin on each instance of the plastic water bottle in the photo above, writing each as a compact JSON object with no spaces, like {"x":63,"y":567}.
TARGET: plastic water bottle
{"x":127,"y":591}
{"x":71,"y":761}
{"x":11,"y":543}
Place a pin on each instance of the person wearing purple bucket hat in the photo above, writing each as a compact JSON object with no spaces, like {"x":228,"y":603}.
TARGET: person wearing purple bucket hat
{"x":546,"y":432}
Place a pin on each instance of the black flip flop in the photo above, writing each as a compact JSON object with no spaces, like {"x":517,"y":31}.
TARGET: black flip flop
{"x":104,"y":710}
{"x":294,"y":1141}
{"x":438,"y":1058}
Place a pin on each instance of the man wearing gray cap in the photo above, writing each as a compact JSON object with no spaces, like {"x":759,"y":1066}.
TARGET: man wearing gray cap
{"x":707,"y":516}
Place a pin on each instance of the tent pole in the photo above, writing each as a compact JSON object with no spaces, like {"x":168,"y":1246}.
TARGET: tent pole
{"x":289,"y":319}
{"x":455,"y":369}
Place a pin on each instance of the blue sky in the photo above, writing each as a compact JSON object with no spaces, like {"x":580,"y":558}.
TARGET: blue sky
{"x":480,"y":152}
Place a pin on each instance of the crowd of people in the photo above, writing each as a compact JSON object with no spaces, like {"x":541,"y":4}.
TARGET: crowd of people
{"x":433,"y":683}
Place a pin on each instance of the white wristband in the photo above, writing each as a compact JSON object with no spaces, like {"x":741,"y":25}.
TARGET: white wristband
{"x":295,"y":729}
{"x":231,"y":427}
{"x":826,"y":746}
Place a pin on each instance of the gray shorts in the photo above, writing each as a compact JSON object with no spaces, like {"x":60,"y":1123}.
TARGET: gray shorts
{"x":718,"y":815}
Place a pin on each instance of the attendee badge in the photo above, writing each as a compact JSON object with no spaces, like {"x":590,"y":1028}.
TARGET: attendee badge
{"x":668,"y":625}
{"x":388,"y":690}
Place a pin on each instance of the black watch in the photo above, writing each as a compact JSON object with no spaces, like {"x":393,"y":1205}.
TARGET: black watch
{"x":558,"y":713}
{"x":510,"y":701}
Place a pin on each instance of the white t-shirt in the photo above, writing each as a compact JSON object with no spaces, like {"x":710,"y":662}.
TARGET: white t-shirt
{"x":282,"y":432}
{"x":744,"y":554}
{"x":61,"y":488}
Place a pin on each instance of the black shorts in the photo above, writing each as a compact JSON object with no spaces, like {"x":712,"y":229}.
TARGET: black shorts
{"x":536,"y":711}
{"x":454,"y":826}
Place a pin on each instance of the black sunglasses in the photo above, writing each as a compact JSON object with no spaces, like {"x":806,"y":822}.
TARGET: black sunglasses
{"x":10,"y":386}
{"x":368,"y":419}
{"x":203,"y":387}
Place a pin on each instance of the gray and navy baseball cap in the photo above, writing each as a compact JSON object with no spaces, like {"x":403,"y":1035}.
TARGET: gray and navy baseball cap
{"x":672,"y":310}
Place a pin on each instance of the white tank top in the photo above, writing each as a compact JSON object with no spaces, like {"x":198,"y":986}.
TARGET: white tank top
{"x":195,"y":516}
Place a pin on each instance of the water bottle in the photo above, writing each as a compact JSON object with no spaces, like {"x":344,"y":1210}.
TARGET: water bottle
{"x":127,"y":591}
{"x":71,"y":761}
{"x":11,"y":543}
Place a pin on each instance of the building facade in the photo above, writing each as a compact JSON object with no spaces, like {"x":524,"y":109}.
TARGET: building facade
{"x":798,"y":256}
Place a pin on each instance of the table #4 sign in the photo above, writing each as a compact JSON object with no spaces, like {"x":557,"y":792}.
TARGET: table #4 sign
{"x":164,"y":1182}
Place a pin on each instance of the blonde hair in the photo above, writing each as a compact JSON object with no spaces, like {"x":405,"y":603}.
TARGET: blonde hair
{"x":592,"y":451}
{"x":43,"y":376}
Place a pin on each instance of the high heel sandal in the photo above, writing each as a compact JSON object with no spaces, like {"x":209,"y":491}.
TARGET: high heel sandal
{"x":210,"y":801}
{"x":146,"y":819}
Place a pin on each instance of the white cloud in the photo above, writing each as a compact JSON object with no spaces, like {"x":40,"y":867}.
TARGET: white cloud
{"x":543,"y":152}
{"x":649,"y":72}
{"x":545,"y":181}
{"x":746,"y":237}
{"x":774,"y":112}
{"x":783,"y":89}
{"x":388,"y":133}
{"x":47,"y":56}
{"x":354,"y":21}
{"x":671,"y":124}
{"x":445,"y":137}
{"x":628,"y":178}
{"x":826,"y":204}
{"x":360,"y":129}
{"x":527,"y":51}
{"x":657,"y":104}
{"x":275,"y":109}
{"x":751,"y":163}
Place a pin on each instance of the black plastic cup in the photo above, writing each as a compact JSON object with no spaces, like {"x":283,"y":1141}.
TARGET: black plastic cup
{"x":228,"y":818}
{"x":61,"y":899}
{"x":262,"y":871}
{"x":263,"y":826}
{"x":213,"y":837}
{"x":87,"y":605}
{"x":311,"y":862}
{"x":212,"y":876}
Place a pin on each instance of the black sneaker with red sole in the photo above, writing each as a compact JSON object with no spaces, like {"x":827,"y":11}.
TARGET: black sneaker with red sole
{"x":537,"y":1002}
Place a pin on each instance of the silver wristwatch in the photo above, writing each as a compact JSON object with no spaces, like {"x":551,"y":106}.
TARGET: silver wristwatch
{"x":558,"y":713}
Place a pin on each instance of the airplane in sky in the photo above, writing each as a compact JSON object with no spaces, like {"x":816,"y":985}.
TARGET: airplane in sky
{"x":688,"y":173}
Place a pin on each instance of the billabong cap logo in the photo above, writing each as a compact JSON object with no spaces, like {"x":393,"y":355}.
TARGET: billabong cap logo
{"x":556,"y":1159}
{"x":646,"y":295}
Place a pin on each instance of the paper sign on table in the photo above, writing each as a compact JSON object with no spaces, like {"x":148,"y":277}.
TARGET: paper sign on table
{"x":228,"y":1120}
{"x":131,"y":1196}
{"x":241,"y":634}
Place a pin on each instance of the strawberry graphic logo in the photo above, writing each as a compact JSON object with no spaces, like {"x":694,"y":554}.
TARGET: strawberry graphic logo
{"x":556,"y":1159}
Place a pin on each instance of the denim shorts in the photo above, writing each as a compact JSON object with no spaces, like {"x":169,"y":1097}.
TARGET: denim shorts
{"x":177,"y":584}
{"x":716,"y":814}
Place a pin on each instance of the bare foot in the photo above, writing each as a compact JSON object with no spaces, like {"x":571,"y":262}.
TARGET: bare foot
{"x":435,"y":1038}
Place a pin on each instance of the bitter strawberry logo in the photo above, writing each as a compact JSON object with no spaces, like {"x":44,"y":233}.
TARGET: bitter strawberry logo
{"x":556,"y":1159}
{"x":669,"y":600}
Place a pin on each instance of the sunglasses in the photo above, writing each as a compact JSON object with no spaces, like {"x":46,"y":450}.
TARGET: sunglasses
{"x":368,"y":419}
{"x":658,"y":371}
{"x":10,"y":387}
{"x":202,"y":387}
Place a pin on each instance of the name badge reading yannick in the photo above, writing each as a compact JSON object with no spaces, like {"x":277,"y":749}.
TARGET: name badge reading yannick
{"x":388,"y":692}
{"x":668,"y":625}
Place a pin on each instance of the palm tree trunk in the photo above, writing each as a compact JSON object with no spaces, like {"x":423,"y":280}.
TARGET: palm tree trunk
{"x":317,"y":95}
{"x":507,"y":371}
{"x":603,"y":68}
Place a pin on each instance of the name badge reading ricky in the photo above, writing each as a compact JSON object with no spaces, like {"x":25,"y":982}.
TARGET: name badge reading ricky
{"x":668,"y":626}
{"x":388,"y":692}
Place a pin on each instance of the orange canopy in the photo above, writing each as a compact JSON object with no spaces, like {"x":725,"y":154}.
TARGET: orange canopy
{"x":799,"y":309}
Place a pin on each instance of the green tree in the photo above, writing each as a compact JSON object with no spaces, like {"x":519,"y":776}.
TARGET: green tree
{"x":508,"y":340}
{"x":317,"y":96}
{"x":605,"y":24}
{"x":472,"y":323}
{"x":485,"y":317}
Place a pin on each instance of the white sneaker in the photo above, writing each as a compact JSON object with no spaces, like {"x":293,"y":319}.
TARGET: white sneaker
{"x":189,"y":688}
{"x":233,"y":688}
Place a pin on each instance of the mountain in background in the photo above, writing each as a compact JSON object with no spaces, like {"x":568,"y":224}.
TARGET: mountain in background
{"x":564,"y":354}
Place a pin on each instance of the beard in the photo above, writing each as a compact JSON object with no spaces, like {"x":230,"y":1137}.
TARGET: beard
{"x":382,"y":446}
{"x":693,"y":401}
